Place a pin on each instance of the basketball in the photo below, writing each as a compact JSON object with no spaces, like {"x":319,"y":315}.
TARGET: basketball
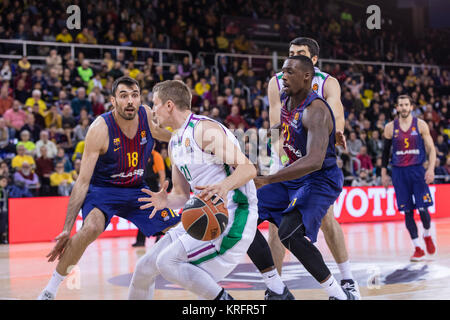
{"x":204,"y":220}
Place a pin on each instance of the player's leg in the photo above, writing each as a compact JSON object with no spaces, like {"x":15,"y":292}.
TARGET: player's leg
{"x":292,"y":234}
{"x":93,"y":226}
{"x":276,"y":247}
{"x":423,"y":200}
{"x":174,"y":266}
{"x":142,"y":284}
{"x":334,"y":237}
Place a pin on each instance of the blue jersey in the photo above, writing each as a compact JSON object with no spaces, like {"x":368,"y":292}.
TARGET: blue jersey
{"x":408,"y":148}
{"x":296,"y":136}
{"x":124,"y":163}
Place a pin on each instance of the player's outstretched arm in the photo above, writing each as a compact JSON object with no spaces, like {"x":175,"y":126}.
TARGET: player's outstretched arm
{"x":176,"y":199}
{"x":317,"y":120}
{"x":431,"y":150}
{"x":332,"y":93}
{"x":388,"y":132}
{"x":212,"y":138}
{"x":158,"y":132}
{"x":95,"y":141}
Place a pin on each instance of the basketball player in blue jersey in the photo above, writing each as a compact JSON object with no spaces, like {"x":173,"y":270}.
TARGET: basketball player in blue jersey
{"x":329,"y":89}
{"x":298,"y":196}
{"x":117,"y":148}
{"x":411,"y":143}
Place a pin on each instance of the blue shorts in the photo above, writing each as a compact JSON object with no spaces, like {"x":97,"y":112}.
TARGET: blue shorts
{"x":311,"y":197}
{"x":408,"y":182}
{"x":123,"y":202}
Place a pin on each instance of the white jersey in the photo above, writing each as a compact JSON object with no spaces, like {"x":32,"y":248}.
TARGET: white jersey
{"x":318,"y":81}
{"x":201,"y":169}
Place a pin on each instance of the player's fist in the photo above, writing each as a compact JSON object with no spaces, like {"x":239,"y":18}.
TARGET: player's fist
{"x":429,"y":176}
{"x":61,"y":243}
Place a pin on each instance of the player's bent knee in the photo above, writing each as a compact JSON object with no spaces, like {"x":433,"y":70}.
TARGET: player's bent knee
{"x":289,"y":231}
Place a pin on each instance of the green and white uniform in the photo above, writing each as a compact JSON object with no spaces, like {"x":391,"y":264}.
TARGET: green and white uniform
{"x":220,"y":256}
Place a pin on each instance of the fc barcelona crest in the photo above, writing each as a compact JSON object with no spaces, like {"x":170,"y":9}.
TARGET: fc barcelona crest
{"x":143,"y":137}
{"x":315,"y":87}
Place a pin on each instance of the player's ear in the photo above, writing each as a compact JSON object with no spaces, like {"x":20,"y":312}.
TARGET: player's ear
{"x":113,"y":100}
{"x":314,"y":59}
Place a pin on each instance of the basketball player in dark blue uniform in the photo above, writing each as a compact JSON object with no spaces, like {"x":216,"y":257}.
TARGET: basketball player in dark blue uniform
{"x":411,"y":142}
{"x":117,"y":147}
{"x":297,"y":197}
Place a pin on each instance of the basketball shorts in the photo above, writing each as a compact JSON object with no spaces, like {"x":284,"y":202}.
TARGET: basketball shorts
{"x":123,"y":202}
{"x":411,"y":190}
{"x":220,"y":256}
{"x":311,"y":196}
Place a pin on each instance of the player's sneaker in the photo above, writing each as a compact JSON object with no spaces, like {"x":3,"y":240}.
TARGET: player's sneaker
{"x":286,"y":295}
{"x":418,"y":255}
{"x":351,"y":286}
{"x":350,"y":296}
{"x":431,"y":248}
{"x":46,"y":295}
{"x":223,"y":295}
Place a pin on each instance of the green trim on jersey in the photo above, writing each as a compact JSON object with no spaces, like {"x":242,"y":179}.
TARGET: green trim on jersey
{"x":237,"y":228}
{"x":318,"y":74}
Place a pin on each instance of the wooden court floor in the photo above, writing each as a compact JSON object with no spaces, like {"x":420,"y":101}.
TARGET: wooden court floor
{"x":379,"y":253}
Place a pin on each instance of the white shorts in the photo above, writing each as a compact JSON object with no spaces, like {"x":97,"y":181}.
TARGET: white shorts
{"x":220,"y":256}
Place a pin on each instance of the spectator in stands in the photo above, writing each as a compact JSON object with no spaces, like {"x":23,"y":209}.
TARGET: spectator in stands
{"x":62,"y":157}
{"x":24,"y":64}
{"x":5,"y":146}
{"x":235,"y":120}
{"x":50,"y":145}
{"x":52,"y":116}
{"x":64,"y":36}
{"x":24,"y":177}
{"x":15,"y":118}
{"x":30,"y":147}
{"x":363,"y":180}
{"x":116,"y":71}
{"x":3,"y":209}
{"x":85,"y":72}
{"x":21,"y":157}
{"x":440,"y":172}
{"x":184,"y":69}
{"x":80,"y":102}
{"x":375,"y":145}
{"x":44,"y":168}
{"x":80,"y":131}
{"x":6,"y":101}
{"x":62,"y":180}
{"x":364,"y":159}
{"x":5,"y":71}
{"x":441,"y":148}
{"x":39,"y":78}
{"x":54,"y":61}
{"x":36,"y":98}
{"x":20,"y":92}
{"x":76,"y":169}
{"x":353,"y":144}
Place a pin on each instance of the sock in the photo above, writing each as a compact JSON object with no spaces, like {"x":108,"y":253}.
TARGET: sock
{"x":54,"y":282}
{"x":427,"y":232}
{"x":273,"y":281}
{"x":333,"y":289}
{"x":223,"y":295}
{"x":416,"y":242}
{"x":346,"y":270}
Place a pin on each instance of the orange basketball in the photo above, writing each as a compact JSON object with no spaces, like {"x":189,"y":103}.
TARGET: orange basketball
{"x":204,"y":220}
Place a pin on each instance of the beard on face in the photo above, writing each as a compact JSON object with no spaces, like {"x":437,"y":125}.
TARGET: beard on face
{"x":405,"y":114}
{"x":121,"y":112}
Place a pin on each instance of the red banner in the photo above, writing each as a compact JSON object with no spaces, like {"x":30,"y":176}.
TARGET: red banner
{"x":42,"y":219}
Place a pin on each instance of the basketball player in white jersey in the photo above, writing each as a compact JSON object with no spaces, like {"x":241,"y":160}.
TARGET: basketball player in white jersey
{"x":207,"y":159}
{"x":328,"y":88}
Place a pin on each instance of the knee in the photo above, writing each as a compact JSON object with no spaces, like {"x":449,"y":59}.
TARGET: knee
{"x":91,"y":231}
{"x":288,"y":232}
{"x":145,"y":265}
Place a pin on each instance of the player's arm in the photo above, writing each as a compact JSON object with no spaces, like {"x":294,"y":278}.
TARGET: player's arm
{"x":332,"y":94}
{"x":180,"y":193}
{"x":212,"y":138}
{"x":431,"y":150}
{"x":94,"y":142}
{"x":275,"y":115}
{"x":317,"y":120}
{"x":388,"y":132}
{"x":158,"y":132}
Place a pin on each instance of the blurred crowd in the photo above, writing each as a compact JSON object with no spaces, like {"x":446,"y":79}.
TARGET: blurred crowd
{"x":46,"y":106}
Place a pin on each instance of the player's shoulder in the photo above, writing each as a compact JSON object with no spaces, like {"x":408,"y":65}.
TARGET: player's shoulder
{"x":423,"y":126}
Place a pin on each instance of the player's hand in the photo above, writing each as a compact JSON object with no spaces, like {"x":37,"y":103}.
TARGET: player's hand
{"x":385,"y":180}
{"x":218,"y":191}
{"x":61,"y":244}
{"x":429,"y":176}
{"x":157,"y":200}
{"x":260,"y":181}
{"x":340,"y":139}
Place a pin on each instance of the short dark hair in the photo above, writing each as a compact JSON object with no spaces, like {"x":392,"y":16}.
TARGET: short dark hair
{"x":306,"y":63}
{"x":312,"y":45}
{"x":129,"y":82}
{"x":406,"y":96}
